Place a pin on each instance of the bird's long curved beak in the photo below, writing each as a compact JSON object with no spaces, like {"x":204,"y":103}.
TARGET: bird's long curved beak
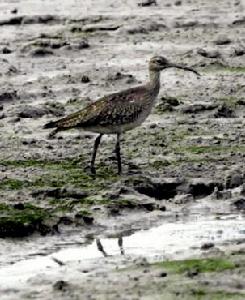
{"x":183,"y":68}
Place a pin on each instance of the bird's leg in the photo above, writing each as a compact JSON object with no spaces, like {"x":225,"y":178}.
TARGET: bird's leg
{"x":120,"y":244}
{"x":96,"y":146}
{"x":119,"y":163}
{"x":100,"y":247}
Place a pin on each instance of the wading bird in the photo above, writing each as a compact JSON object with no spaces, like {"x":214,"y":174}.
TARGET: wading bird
{"x":118,"y":112}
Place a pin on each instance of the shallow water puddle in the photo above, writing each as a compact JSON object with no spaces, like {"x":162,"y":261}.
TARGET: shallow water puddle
{"x":165,"y":241}
{"x":176,"y":240}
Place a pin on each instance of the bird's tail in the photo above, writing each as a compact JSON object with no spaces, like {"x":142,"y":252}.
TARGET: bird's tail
{"x":65,"y":123}
{"x":51,"y":124}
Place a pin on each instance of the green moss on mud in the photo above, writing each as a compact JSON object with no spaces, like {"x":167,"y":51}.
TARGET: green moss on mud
{"x":201,"y":265}
{"x":59,"y":174}
{"x":230,"y":101}
{"x":84,"y":212}
{"x":159,"y":164}
{"x":62,"y":164}
{"x":210,"y":149}
{"x":12,"y":184}
{"x":218,"y":67}
{"x":20,"y":221}
{"x":215,"y":295}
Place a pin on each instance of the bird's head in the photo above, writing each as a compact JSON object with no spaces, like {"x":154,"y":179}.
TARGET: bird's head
{"x":159,"y":63}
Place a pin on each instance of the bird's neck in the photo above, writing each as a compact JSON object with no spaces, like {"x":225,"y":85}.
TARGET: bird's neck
{"x":154,"y":82}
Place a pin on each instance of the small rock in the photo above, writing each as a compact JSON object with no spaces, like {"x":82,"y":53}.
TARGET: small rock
{"x":59,"y":193}
{"x":142,"y":28}
{"x":239,"y":51}
{"x":241,"y":102}
{"x":149,"y":206}
{"x":100,"y":27}
{"x":163,"y":274}
{"x":40,"y":52}
{"x":32,"y":112}
{"x":224,"y":111}
{"x":171,"y":101}
{"x":55,"y":108}
{"x":114,"y":211}
{"x":192,"y":272}
{"x":14,"y":120}
{"x":14,"y":11}
{"x":186,"y":24}
{"x":239,"y":204}
{"x":243,"y":190}
{"x":87,"y":219}
{"x":199,"y":187}
{"x":178,"y":2}
{"x":44,"y":229}
{"x":6,"y":50}
{"x":77,"y":45}
{"x":60,"y":285}
{"x":75,"y":29}
{"x":207,"y":246}
{"x":222,"y":40}
{"x":162,"y":207}
{"x":29,"y":141}
{"x":83,"y":45}
{"x":234,"y":179}
{"x":8,"y":96}
{"x":239,"y":21}
{"x":19,"y":206}
{"x":221,"y":195}
{"x":65,"y":220}
{"x":197,"y":107}
{"x":164,"y":107}
{"x":147,"y":3}
{"x":183,"y":199}
{"x":157,"y":188}
{"x":208,"y":54}
{"x":85,"y":79}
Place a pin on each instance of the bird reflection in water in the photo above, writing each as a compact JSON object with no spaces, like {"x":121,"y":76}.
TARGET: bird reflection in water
{"x":102,"y":250}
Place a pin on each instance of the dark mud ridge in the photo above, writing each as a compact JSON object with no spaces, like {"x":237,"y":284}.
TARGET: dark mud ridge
{"x":45,"y":209}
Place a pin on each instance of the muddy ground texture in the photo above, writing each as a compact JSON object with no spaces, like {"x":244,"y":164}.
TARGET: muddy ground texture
{"x":56,"y":59}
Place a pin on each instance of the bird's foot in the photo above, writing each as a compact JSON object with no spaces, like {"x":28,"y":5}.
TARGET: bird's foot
{"x":93,"y":170}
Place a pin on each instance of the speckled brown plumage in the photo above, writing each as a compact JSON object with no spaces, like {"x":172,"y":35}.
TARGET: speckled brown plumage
{"x":118,"y":112}
{"x":109,"y":113}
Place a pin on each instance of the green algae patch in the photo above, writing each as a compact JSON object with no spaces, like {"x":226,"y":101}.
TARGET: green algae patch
{"x":12,"y":184}
{"x":215,"y":295}
{"x":219,"y":67}
{"x":210,"y":149}
{"x":21,"y":220}
{"x":59,"y":174}
{"x":159,"y":164}
{"x":201,"y":265}
{"x":230,"y":101}
{"x":63,"y":164}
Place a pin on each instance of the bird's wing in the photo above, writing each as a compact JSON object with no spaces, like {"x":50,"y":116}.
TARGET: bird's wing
{"x":117,"y":108}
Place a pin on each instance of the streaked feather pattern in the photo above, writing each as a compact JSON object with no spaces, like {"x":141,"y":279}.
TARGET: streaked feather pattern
{"x":113,"y":110}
